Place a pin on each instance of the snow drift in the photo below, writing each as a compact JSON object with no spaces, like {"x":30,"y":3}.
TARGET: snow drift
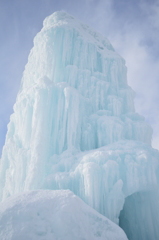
{"x":54,"y":215}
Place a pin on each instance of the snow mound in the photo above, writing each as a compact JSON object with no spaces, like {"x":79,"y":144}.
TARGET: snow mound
{"x":54,"y":215}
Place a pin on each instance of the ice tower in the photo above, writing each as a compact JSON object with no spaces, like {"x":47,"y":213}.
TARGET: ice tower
{"x":74,"y":127}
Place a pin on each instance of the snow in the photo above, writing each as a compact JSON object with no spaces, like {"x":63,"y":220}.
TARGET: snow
{"x":54,"y":215}
{"x":74,"y":127}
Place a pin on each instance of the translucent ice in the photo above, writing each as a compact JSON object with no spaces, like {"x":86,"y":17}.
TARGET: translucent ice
{"x":75,"y":127}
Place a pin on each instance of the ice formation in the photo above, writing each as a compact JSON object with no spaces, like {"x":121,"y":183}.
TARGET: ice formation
{"x":75,"y":127}
{"x":54,"y":215}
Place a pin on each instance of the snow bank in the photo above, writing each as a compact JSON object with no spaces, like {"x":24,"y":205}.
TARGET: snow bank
{"x":54,"y":215}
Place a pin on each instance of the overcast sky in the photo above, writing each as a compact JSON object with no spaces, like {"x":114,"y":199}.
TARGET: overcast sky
{"x":132,"y":26}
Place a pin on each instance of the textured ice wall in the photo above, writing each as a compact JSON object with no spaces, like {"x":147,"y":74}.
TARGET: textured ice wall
{"x":106,"y":176}
{"x":74,"y":95}
{"x":74,"y":99}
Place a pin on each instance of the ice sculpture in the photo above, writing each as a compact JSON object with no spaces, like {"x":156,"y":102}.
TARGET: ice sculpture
{"x":74,"y":127}
{"x":54,"y":215}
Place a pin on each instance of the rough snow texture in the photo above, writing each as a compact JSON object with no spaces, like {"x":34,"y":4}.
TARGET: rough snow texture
{"x":74,"y":125}
{"x":54,"y":215}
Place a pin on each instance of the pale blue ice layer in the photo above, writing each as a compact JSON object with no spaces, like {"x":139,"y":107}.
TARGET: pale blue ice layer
{"x":75,"y":127}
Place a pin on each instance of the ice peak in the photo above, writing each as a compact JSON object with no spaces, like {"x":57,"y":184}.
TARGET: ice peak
{"x":61,"y":18}
{"x":74,"y":127}
{"x":57,"y":18}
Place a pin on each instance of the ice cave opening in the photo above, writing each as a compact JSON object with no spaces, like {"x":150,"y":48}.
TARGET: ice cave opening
{"x":139,"y":215}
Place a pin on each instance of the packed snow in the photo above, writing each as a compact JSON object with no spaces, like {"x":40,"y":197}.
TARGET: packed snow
{"x":54,"y":215}
{"x":74,"y":127}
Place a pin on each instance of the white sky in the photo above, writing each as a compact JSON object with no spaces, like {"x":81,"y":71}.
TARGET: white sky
{"x":132,"y":26}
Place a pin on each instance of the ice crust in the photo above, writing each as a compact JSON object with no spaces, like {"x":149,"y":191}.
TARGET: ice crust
{"x":54,"y":215}
{"x":74,"y":125}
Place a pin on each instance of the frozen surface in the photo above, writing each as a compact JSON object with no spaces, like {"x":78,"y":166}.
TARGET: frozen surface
{"x":106,"y":177}
{"x":75,"y":127}
{"x":54,"y":215}
{"x":74,"y":97}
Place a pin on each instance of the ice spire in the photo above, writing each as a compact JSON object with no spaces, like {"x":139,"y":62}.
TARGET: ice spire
{"x":74,"y":124}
